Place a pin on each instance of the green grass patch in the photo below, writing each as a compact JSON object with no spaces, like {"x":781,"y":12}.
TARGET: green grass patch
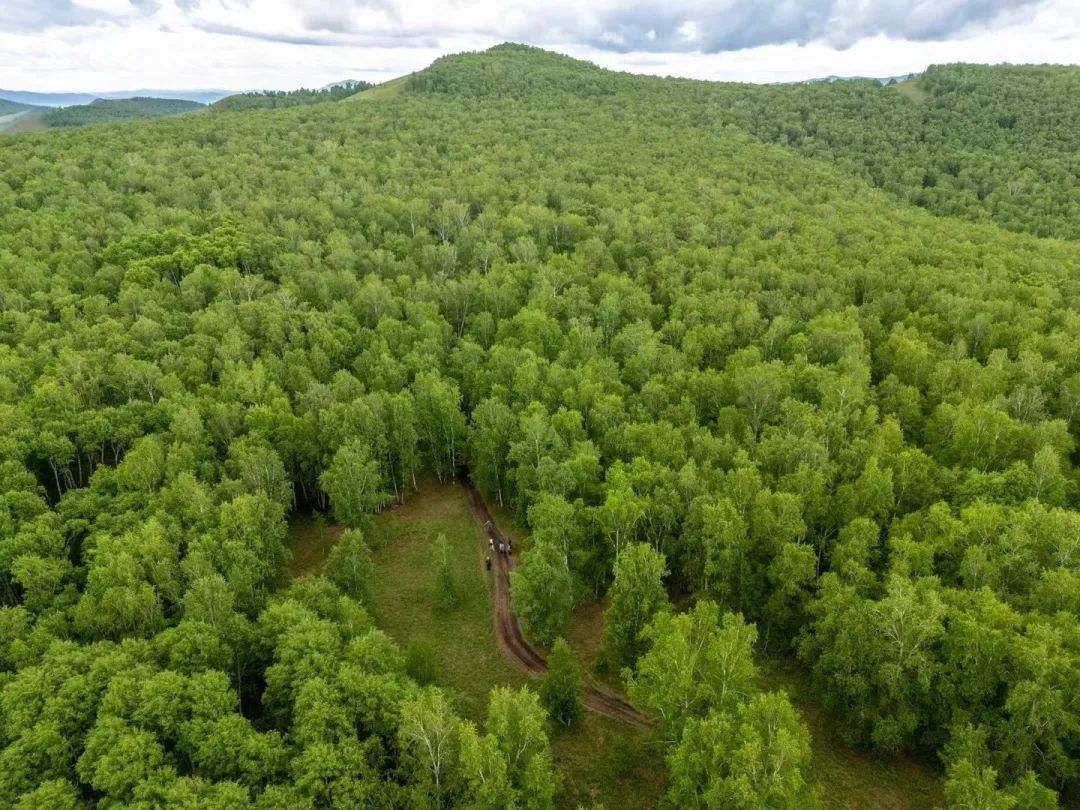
{"x":381,"y":92}
{"x":599,"y":759}
{"x":310,"y":540}
{"x":913,"y":89}
{"x":468,"y":661}
{"x":603,"y":761}
{"x":24,"y":121}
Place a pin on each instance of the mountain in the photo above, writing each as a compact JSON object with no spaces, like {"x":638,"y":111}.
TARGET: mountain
{"x":102,"y":111}
{"x":986,"y":143}
{"x":879,"y":79}
{"x":10,"y":107}
{"x":72,"y":99}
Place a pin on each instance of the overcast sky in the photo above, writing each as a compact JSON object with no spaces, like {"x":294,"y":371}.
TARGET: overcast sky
{"x":101,"y":45}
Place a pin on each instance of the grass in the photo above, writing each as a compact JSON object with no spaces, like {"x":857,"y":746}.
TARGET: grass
{"x":913,"y":89}
{"x":29,"y":120}
{"x":468,"y":659}
{"x":391,"y":89}
{"x":599,"y":760}
{"x":310,"y":541}
{"x":603,"y":761}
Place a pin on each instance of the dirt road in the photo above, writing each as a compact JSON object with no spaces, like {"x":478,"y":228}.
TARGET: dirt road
{"x":512,"y":640}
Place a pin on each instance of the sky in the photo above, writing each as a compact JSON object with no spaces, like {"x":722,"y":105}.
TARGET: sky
{"x":112,"y":45}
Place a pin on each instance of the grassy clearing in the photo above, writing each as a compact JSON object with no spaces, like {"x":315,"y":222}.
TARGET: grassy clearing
{"x":599,"y":759}
{"x":391,"y":89}
{"x":603,"y":761}
{"x":851,"y":777}
{"x":913,"y":89}
{"x":468,"y":660}
{"x":23,"y":121}
{"x":310,"y":540}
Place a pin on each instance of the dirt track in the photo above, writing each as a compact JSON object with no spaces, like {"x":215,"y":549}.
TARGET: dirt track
{"x":512,"y":640}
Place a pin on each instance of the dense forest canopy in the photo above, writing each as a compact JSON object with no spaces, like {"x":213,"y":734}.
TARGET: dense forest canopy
{"x":983,"y":143}
{"x":694,"y":361}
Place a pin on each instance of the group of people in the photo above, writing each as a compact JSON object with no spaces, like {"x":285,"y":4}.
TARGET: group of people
{"x":504,"y":547}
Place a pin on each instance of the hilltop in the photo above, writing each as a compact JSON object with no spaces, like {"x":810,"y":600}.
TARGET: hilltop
{"x":10,"y":107}
{"x":993,"y":143}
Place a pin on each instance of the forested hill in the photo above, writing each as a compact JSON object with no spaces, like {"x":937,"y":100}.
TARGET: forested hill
{"x":690,"y":361}
{"x":997,"y":144}
{"x":983,"y":143}
{"x":11,"y":107}
{"x":107,"y":111}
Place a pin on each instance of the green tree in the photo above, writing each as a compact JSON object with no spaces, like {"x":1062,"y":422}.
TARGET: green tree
{"x":542,"y":592}
{"x":560,"y":687}
{"x":695,"y":664}
{"x":354,"y":484}
{"x":517,"y":721}
{"x":637,"y":595}
{"x":429,"y":733}
{"x":754,"y":757}
{"x":350,"y":567}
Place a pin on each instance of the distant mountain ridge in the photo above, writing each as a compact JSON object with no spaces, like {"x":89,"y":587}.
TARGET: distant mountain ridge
{"x":102,"y":110}
{"x":76,"y":99}
{"x":10,"y":107}
{"x":902,"y":77}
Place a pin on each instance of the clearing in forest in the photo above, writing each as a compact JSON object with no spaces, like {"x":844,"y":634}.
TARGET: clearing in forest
{"x":602,"y":759}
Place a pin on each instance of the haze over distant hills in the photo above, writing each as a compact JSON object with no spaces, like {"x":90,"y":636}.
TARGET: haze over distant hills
{"x":880,"y":79}
{"x":72,"y":99}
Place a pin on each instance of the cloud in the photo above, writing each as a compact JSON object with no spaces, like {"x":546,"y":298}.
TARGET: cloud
{"x":716,"y":26}
{"x":37,"y":15}
{"x":340,"y":17}
{"x":97,"y":45}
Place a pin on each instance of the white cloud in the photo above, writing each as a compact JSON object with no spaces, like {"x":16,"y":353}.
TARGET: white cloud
{"x":688,"y":31}
{"x":54,"y":45}
{"x":113,"y":8}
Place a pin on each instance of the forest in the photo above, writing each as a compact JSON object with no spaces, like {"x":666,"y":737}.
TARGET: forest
{"x":105,"y":111}
{"x":765,"y":387}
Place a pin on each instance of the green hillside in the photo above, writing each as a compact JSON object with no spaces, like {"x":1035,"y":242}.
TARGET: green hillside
{"x":107,"y":111}
{"x":11,"y":107}
{"x":805,"y":452}
{"x":983,"y":143}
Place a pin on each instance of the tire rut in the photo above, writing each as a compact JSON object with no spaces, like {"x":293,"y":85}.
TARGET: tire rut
{"x":508,"y":632}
